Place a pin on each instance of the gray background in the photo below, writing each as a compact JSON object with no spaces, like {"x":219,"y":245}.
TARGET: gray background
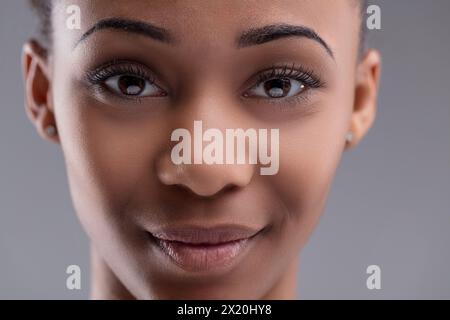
{"x":389,"y":204}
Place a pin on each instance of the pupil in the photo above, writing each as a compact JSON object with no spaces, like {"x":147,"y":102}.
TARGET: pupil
{"x":131,"y":85}
{"x":277,"y":88}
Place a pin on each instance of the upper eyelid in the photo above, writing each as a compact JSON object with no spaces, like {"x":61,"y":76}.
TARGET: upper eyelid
{"x":289,"y":72}
{"x":114,"y":69}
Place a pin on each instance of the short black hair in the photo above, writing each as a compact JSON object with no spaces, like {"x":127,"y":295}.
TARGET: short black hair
{"x":43,"y":9}
{"x":363,"y":5}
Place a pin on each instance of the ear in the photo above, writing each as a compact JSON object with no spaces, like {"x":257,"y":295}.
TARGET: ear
{"x":366,"y":92}
{"x":38,"y":96}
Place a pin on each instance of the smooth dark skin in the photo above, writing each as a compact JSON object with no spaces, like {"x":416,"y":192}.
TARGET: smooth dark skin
{"x":117,"y":150}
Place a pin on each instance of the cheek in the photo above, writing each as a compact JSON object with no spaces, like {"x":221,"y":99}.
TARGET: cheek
{"x":109,"y":155}
{"x":310,"y":151}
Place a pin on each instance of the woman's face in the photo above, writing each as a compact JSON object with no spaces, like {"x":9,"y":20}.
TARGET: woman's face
{"x":117,"y":92}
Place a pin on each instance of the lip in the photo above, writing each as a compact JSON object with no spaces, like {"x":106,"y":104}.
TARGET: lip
{"x":200,"y":249}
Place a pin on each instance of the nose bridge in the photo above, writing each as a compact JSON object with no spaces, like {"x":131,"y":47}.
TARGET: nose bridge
{"x":210,"y":100}
{"x":197,"y":159}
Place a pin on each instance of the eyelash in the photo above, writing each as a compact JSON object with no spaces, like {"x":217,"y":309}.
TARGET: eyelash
{"x":116,"y":68}
{"x":99,"y":75}
{"x":290,"y":71}
{"x":298,"y":73}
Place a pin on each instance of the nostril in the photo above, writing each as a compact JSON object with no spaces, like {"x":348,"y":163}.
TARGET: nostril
{"x":183,"y":188}
{"x":229,"y":188}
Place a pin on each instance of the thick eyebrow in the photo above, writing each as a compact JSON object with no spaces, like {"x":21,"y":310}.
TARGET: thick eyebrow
{"x":251,"y":37}
{"x":273,"y":32}
{"x":130,"y":26}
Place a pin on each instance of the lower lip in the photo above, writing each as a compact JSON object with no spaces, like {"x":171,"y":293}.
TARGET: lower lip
{"x":203,"y":257}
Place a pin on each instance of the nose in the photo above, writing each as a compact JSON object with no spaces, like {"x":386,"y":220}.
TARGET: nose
{"x":204,"y":180}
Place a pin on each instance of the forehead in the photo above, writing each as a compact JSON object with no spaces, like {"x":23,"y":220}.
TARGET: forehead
{"x":219,"y":21}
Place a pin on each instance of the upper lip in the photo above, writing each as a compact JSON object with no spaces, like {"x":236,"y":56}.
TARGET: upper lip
{"x":205,"y":235}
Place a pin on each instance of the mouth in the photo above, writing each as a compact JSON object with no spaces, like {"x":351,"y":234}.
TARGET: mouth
{"x":198,"y":249}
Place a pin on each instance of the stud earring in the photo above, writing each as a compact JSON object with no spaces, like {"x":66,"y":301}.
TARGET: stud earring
{"x":51,"y":130}
{"x":349,"y":137}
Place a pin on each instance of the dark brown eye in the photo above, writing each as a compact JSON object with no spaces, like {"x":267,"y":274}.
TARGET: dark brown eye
{"x":277,"y":88}
{"x":128,"y":85}
{"x":132,"y":86}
